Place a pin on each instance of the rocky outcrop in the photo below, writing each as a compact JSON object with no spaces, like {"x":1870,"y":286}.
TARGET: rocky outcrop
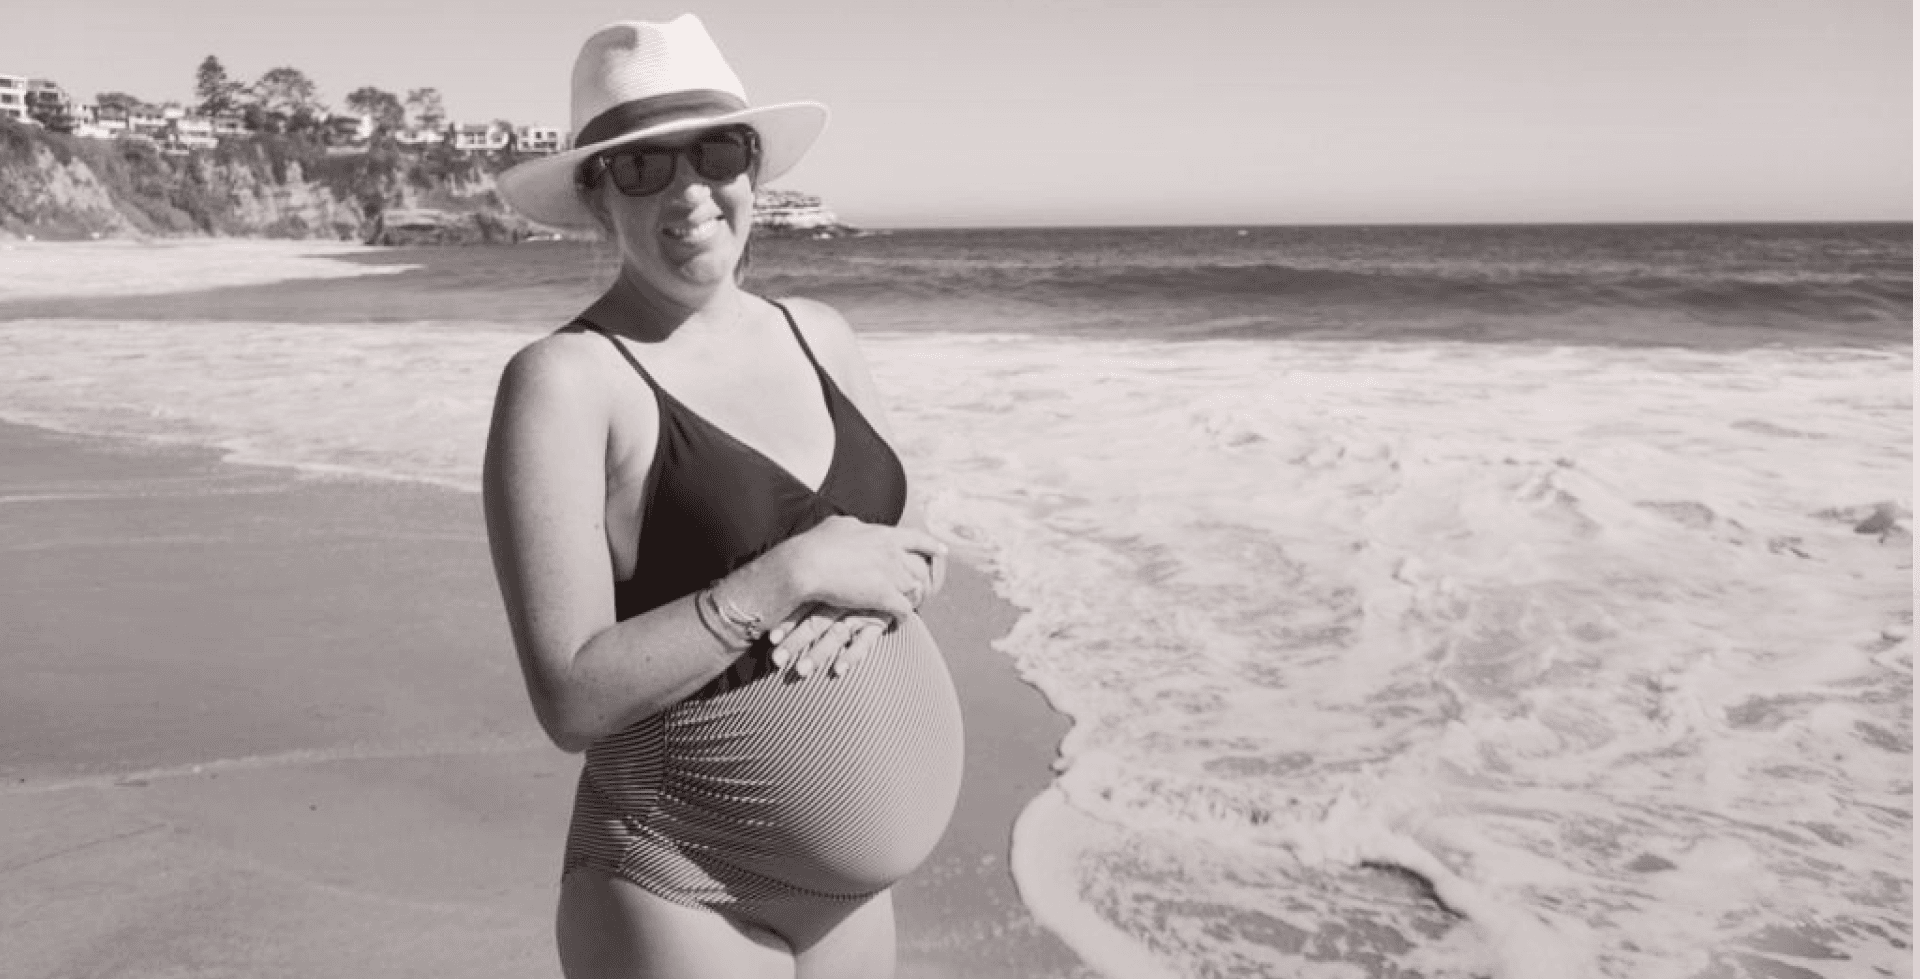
{"x":246,"y":201}
{"x":55,"y":186}
{"x":423,"y":226}
{"x":789,"y":212}
{"x":62,"y":197}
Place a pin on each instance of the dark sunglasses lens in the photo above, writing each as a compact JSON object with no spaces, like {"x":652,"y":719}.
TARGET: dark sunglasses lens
{"x":722,"y":156}
{"x":641,"y":172}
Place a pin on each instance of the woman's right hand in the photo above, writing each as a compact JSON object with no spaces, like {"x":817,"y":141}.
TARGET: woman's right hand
{"x":850,"y":564}
{"x":819,"y":636}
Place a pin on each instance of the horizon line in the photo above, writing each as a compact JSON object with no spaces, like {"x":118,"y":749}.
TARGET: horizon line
{"x":1626,"y":223}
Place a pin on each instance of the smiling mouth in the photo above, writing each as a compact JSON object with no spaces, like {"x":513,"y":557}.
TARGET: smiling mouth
{"x":693,"y":232}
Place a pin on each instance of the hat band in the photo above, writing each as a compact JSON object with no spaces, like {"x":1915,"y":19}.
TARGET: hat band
{"x":655,"y":110}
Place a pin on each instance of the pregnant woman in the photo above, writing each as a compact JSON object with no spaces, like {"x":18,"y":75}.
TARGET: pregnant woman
{"x":693,"y":510}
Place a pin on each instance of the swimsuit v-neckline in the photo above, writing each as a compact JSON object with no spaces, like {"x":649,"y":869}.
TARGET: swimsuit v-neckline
{"x":828,"y":392}
{"x":833,"y":420}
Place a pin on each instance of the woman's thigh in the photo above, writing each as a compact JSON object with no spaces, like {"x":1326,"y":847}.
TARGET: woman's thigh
{"x":861,"y":946}
{"x":610,"y":929}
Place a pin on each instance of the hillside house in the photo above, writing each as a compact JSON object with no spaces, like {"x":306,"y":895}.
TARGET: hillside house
{"x":194,"y":133}
{"x":86,"y":123}
{"x":348,"y":130}
{"x":480,"y":137}
{"x":13,"y":97}
{"x":419,"y":136}
{"x":539,"y":139}
{"x":146,"y":121}
{"x":48,"y":103}
{"x":109,"y":122}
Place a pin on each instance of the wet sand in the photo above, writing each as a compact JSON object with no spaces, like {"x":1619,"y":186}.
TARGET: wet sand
{"x":258,"y":723}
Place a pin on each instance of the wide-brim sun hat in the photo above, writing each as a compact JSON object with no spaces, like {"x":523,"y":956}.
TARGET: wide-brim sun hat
{"x":637,"y":80}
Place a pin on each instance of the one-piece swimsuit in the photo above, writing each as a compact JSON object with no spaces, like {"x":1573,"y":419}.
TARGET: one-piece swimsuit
{"x":779,"y":801}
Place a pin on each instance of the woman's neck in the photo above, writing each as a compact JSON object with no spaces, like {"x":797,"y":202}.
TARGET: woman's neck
{"x":634,"y":310}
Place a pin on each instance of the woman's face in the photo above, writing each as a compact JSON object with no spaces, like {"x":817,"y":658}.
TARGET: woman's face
{"x":685,"y":240}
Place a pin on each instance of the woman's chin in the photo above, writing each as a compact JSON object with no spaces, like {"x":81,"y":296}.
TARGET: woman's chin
{"x":695,"y":260}
{"x":706,"y":269}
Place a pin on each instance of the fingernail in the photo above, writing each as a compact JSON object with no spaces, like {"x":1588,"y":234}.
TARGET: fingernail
{"x":805,"y":668}
{"x":839,"y":668}
{"x":780,"y":657}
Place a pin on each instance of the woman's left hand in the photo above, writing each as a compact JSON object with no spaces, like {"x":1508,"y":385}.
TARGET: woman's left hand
{"x":835,"y":639}
{"x":823,"y":637}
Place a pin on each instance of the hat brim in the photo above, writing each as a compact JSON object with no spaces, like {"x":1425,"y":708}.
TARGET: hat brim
{"x":542,"y":190}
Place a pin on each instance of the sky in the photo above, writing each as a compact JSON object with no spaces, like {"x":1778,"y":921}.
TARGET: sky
{"x":1076,"y":112}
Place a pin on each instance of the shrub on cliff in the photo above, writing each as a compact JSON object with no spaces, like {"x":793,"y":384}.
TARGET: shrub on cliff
{"x":17,"y":143}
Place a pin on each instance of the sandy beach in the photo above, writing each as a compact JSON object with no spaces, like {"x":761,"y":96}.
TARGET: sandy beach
{"x":259,"y":723}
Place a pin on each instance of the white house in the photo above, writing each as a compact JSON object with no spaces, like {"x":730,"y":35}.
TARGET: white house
{"x":194,"y":132}
{"x":146,"y":121}
{"x":350,"y":128}
{"x":13,"y":97}
{"x":86,"y":122}
{"x":539,"y":139}
{"x":480,"y":137}
{"x":108,"y":122}
{"x":418,"y":136}
{"x":48,"y":103}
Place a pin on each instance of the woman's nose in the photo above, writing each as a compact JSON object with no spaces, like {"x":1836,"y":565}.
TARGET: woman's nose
{"x":685,"y":181}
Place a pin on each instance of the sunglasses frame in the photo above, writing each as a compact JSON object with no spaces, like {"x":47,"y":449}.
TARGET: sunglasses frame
{"x":600,"y":164}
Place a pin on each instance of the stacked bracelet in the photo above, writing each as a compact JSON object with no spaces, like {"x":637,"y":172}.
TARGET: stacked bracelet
{"x":717,"y":625}
{"x":736,"y":630}
{"x":749,"y":625}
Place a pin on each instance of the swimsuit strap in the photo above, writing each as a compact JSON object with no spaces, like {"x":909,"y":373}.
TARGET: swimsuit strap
{"x":795,"y":327}
{"x":628,"y":354}
{"x":624,"y":352}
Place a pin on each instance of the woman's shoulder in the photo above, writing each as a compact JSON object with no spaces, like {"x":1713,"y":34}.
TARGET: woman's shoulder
{"x":833,"y":344}
{"x":826,"y":331}
{"x":567,"y":370}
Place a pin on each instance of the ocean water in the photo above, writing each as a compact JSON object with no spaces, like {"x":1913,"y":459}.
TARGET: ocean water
{"x":1520,"y":602}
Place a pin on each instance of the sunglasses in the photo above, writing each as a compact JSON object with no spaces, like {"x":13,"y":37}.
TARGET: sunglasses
{"x":718,"y":155}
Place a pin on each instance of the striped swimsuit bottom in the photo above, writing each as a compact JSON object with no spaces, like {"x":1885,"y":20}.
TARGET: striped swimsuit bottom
{"x":784,"y":803}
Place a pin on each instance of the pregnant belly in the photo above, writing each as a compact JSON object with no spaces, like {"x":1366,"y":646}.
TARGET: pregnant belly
{"x":836,"y":785}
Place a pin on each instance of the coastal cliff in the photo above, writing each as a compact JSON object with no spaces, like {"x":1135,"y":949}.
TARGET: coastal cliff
{"x":63,"y":187}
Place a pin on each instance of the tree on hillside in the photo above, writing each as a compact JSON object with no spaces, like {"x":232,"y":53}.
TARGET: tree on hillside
{"x":260,"y":120}
{"x":288,"y":91}
{"x":119,"y":100}
{"x":217,"y":92}
{"x":385,"y":108}
{"x":424,"y":108}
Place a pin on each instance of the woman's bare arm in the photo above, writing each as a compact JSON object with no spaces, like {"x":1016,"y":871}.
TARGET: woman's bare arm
{"x":545,"y":493}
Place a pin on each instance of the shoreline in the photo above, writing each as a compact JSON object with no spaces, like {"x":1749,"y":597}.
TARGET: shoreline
{"x":272,"y":722}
